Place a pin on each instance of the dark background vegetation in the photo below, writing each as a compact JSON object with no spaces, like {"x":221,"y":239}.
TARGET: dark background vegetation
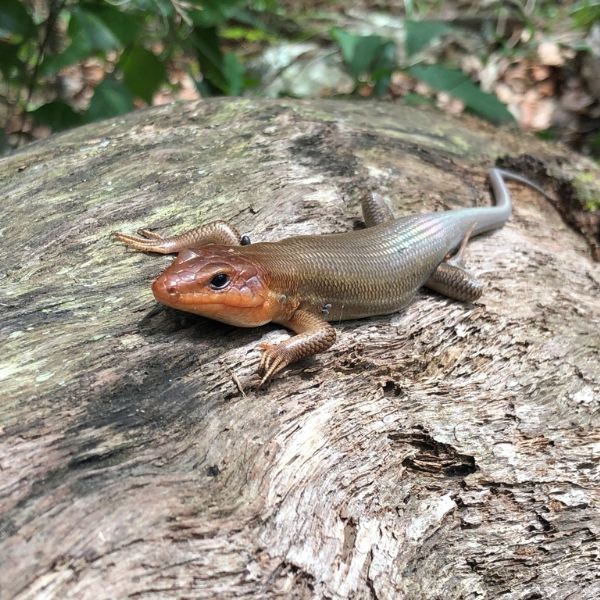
{"x":68,"y":62}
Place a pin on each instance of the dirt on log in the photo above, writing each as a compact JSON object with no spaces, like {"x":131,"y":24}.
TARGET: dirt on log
{"x":443,"y":452}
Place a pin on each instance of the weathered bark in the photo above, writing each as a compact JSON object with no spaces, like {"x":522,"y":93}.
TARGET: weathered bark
{"x":444,"y":452}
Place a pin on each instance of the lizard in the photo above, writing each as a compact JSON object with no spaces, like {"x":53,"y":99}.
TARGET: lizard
{"x":307,"y":282}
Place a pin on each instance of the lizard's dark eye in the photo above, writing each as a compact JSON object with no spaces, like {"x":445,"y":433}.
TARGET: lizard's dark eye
{"x":219,"y":281}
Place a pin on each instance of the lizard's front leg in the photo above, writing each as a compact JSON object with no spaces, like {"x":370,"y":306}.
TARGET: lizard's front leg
{"x":217,"y":232}
{"x":314,"y":335}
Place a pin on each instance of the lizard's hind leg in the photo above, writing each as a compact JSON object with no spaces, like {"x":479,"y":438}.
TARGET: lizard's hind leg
{"x":452,"y":280}
{"x":375,"y":210}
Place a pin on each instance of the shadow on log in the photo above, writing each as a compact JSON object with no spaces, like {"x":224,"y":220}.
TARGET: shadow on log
{"x":442,"y":452}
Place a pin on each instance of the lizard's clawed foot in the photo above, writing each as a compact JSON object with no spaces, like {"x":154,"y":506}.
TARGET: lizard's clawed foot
{"x":274,"y":359}
{"x":314,"y":335}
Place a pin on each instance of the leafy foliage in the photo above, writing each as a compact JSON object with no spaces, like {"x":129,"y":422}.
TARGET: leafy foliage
{"x":586,"y":13}
{"x":420,"y":34}
{"x":372,"y":59}
{"x":367,"y":57}
{"x":57,"y":115}
{"x":143,"y":72}
{"x":110,"y":98}
{"x":456,"y":83}
{"x":135,"y":42}
{"x":15,"y":20}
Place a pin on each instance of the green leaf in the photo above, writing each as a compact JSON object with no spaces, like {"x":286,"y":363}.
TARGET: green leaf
{"x":259,"y":19}
{"x":414,"y":99}
{"x":364,"y":53}
{"x":9,"y":58}
{"x":264,"y":5}
{"x":367,"y":55}
{"x":15,"y":20}
{"x":124,"y":25}
{"x":546,"y":134}
{"x":222,"y":73}
{"x":234,"y":73}
{"x":162,"y":8}
{"x":586,"y":13}
{"x":358,"y":51}
{"x":419,"y":34}
{"x":211,"y":59}
{"x":348,"y":43}
{"x":98,"y":35}
{"x":57,"y":115}
{"x":88,"y":34}
{"x":78,"y":50}
{"x":4,"y":141}
{"x":248,"y":34}
{"x":383,"y":67}
{"x":214,"y":12}
{"x":110,"y":98}
{"x":456,"y":83}
{"x":143,"y":72}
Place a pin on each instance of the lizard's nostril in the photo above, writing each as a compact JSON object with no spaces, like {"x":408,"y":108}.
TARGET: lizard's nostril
{"x":165,"y":287}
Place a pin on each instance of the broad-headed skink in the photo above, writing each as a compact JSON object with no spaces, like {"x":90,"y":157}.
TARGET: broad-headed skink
{"x":305,"y":282}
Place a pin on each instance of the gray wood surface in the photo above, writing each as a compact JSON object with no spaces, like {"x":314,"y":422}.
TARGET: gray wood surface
{"x":448,"y":451}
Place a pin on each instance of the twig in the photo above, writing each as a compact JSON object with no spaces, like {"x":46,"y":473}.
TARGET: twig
{"x":237,"y":383}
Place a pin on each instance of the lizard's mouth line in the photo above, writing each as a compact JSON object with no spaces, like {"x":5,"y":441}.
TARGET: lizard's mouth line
{"x":184,"y":299}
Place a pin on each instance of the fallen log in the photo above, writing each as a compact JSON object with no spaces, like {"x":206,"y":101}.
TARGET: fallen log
{"x":443,"y":452}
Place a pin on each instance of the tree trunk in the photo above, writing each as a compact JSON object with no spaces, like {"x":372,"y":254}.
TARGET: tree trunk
{"x":443,"y":452}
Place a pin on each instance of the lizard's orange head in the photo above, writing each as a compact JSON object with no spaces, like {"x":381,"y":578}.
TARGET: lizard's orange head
{"x":217,"y":282}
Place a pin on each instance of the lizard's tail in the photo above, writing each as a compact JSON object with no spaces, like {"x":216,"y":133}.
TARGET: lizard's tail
{"x":495,"y":216}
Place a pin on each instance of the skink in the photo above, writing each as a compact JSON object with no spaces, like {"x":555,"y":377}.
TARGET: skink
{"x":305,"y":282}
